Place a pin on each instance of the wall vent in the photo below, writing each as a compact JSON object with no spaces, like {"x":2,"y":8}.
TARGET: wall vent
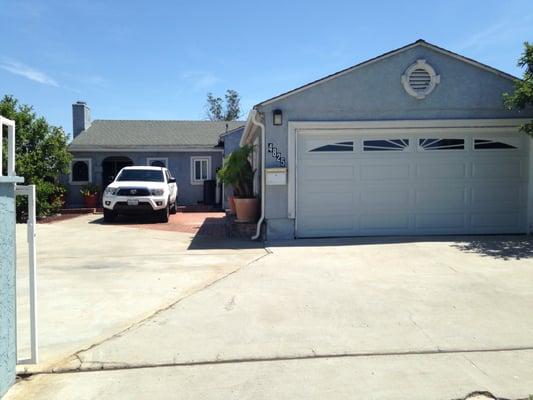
{"x":420,"y":79}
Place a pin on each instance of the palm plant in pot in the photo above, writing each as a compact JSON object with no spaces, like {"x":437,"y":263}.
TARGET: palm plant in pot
{"x":90,"y":195}
{"x":238,"y":172}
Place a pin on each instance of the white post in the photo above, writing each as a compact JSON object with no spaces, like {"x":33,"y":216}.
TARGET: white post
{"x":10,"y":145}
{"x":29,"y":191}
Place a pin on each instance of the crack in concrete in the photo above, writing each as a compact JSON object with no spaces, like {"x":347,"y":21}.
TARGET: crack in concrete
{"x":114,"y":366}
{"x":77,"y":355}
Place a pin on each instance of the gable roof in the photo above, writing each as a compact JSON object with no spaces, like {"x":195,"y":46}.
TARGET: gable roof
{"x":146,"y":134}
{"x":419,"y":42}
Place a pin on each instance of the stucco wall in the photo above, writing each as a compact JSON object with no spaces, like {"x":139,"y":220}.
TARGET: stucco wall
{"x":231,"y":143}
{"x":375,"y":92}
{"x":179,"y":163}
{"x":7,"y":287}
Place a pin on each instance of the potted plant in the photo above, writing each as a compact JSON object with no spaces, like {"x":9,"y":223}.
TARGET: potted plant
{"x":238,"y":172}
{"x":90,"y":195}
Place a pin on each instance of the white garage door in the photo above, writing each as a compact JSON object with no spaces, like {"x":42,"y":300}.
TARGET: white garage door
{"x":407,"y":184}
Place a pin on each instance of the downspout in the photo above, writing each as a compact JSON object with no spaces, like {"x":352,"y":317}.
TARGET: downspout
{"x":261,"y":125}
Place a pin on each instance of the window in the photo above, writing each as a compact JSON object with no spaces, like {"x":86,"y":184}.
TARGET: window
{"x":143,"y":175}
{"x":386,"y":145}
{"x":200,"y":169}
{"x":339,"y":146}
{"x":441,"y":144}
{"x":80,"y":171}
{"x":487,"y":144}
{"x":157,"y":162}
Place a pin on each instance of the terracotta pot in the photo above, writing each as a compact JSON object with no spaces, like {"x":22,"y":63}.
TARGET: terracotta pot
{"x":247,"y":210}
{"x":91,"y":201}
{"x":231,"y":202}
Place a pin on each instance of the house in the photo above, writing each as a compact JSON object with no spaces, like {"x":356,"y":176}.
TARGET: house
{"x":191,"y":150}
{"x":415,"y":141}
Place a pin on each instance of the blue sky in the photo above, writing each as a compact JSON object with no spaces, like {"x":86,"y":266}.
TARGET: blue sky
{"x":158,"y":59}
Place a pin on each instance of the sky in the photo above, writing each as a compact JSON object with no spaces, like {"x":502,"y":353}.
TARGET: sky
{"x":158,"y":59}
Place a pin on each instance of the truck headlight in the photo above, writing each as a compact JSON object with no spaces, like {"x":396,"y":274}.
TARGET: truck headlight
{"x":157,"y":192}
{"x":110,"y":191}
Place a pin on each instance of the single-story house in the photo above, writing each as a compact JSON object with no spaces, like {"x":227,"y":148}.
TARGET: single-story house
{"x":416,"y":141}
{"x":192,"y":150}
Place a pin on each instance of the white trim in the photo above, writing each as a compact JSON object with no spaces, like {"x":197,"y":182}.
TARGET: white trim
{"x":383,"y":127}
{"x":200,"y":158}
{"x":149,"y":160}
{"x":89,"y":162}
{"x":383,"y":57}
{"x":10,"y":145}
{"x":169,"y":149}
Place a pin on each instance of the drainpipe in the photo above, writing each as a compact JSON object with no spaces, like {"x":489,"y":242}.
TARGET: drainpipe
{"x":261,"y":125}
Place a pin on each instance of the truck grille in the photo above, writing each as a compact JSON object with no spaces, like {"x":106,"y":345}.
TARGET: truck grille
{"x":133,"y":191}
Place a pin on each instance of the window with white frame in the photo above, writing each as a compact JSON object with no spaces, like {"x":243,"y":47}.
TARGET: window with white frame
{"x":200,"y":169}
{"x":80,"y":171}
{"x":157,"y":162}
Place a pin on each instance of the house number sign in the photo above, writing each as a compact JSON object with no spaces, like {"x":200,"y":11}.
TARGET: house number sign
{"x":276,"y":154}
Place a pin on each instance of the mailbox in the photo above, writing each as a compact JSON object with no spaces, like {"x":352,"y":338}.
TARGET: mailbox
{"x":276,"y":176}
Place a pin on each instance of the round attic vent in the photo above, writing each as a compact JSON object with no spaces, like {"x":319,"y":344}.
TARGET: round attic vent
{"x":420,"y":79}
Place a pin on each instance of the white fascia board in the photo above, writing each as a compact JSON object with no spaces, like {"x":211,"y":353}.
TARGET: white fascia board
{"x":247,"y":128}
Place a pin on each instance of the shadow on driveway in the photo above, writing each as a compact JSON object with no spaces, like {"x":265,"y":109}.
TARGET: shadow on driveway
{"x":508,"y":247}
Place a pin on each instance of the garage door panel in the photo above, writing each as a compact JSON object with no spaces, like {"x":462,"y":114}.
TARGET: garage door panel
{"x":499,"y":196}
{"x":339,"y":202}
{"x":441,"y":196}
{"x":499,"y":220}
{"x":389,"y":198}
{"x":328,"y":172}
{"x":371,"y":172}
{"x":416,"y":191}
{"x":497,"y":169}
{"x":385,"y":221}
{"x":327,"y":224}
{"x":455,"y":170}
{"x":441,"y":221}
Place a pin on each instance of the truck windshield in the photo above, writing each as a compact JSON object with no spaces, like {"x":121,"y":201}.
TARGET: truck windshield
{"x":143,"y":175}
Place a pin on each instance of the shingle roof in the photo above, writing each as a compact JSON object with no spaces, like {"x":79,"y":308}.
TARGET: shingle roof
{"x":146,"y":133}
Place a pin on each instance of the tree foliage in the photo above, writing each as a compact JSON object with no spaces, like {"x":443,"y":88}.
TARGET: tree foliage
{"x":41,"y":155}
{"x":228,"y":109}
{"x":522,"y":97}
{"x":238,"y":172}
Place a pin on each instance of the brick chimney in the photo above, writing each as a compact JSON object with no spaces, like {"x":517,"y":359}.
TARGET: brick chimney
{"x":81,"y":117}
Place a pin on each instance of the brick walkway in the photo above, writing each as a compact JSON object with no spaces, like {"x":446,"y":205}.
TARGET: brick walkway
{"x":210,"y":224}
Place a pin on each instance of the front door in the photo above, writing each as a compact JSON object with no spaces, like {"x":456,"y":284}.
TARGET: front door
{"x":111,"y":167}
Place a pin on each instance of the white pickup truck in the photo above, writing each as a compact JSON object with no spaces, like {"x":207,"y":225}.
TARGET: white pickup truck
{"x":138,"y":190}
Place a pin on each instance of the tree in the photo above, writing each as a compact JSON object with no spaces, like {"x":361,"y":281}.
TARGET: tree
{"x":217,"y":111}
{"x":522,"y":96}
{"x":41,"y":155}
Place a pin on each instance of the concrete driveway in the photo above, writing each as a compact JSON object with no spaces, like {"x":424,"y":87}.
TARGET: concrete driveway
{"x":95,"y":280}
{"x":343,"y":319}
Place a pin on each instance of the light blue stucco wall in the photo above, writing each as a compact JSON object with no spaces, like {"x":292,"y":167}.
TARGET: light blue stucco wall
{"x":179,"y":163}
{"x":375,"y":92}
{"x":231,"y":143}
{"x":8,"y":355}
